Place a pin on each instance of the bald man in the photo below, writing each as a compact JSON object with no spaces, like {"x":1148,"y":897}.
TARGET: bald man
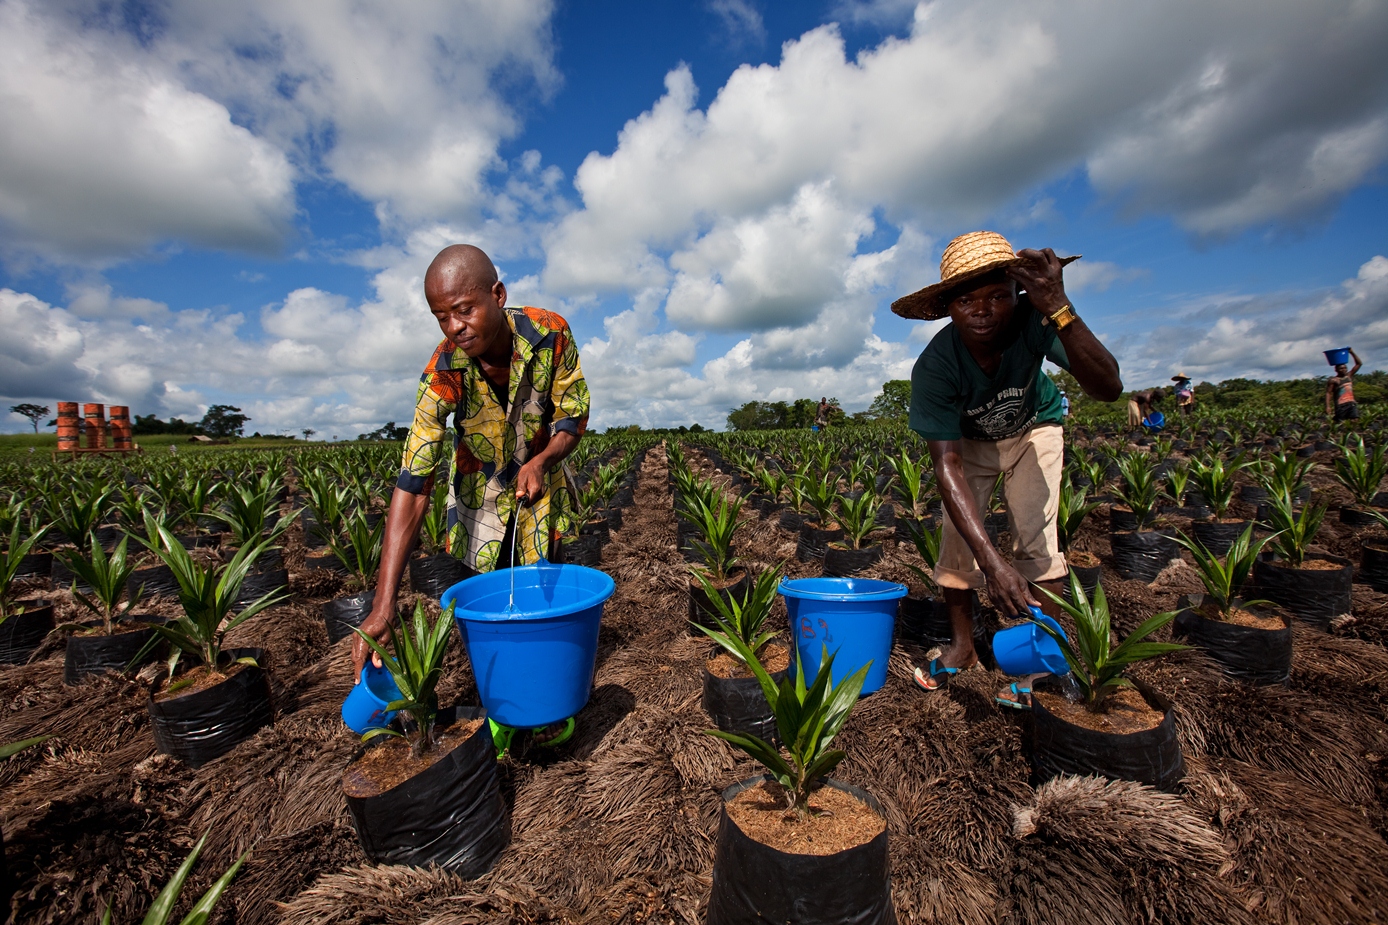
{"x":511,"y":379}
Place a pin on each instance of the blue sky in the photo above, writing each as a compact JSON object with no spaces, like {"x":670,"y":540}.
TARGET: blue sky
{"x":236,"y":203}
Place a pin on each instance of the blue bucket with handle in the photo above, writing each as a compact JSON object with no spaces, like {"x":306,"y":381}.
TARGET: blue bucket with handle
{"x":1337,"y":356}
{"x":534,"y":665}
{"x":1154,"y":421}
{"x":1026,"y":649}
{"x":365,"y":707}
{"x":852,"y":617}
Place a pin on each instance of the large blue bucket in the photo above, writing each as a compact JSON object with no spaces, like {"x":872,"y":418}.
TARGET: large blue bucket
{"x":534,"y":665}
{"x":852,"y":617}
{"x":1337,"y":356}
{"x":1027,"y":649}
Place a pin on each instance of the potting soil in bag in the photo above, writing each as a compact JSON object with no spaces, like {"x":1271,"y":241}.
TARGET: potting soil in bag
{"x":1315,"y":596}
{"x":1151,"y":757}
{"x":756,"y":884}
{"x":201,"y":726}
{"x":1244,"y":652}
{"x":1142,"y":555}
{"x":450,"y":814}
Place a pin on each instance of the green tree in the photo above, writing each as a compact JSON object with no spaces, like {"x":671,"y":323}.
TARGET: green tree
{"x":893,"y":402}
{"x":223,"y":421}
{"x":31,"y":411}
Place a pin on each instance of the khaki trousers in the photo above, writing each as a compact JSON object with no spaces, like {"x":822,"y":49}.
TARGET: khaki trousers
{"x":1031,"y":463}
{"x":1134,"y":414}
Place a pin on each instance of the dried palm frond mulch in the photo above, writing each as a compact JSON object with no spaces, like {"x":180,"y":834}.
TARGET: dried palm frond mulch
{"x":1281,"y":819}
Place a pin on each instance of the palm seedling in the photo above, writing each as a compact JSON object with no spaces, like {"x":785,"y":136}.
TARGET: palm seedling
{"x":208,"y":596}
{"x":772,"y":483}
{"x":1361,"y":470}
{"x":433,"y":527}
{"x":247,"y":510}
{"x":1096,"y":471}
{"x":1295,"y":530}
{"x":717,"y":519}
{"x":1284,"y":472}
{"x":1176,"y":482}
{"x":327,"y":500}
{"x":913,"y":480}
{"x":1213,"y":475}
{"x":77,"y":513}
{"x":858,"y":516}
{"x":358,"y":547}
{"x":1073,"y":508}
{"x":807,"y":720}
{"x":744,"y":619}
{"x":416,"y":666}
{"x":107,"y":576}
{"x":927,"y":543}
{"x":820,"y":495}
{"x":1138,"y":486}
{"x":16,"y":548}
{"x":162,"y":910}
{"x":1097,"y":665}
{"x":1224,"y":580}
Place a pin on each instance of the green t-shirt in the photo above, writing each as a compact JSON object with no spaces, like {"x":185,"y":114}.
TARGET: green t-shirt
{"x":952,"y":398}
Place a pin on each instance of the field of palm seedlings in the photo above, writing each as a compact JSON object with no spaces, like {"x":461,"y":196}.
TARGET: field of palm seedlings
{"x":175,"y":634}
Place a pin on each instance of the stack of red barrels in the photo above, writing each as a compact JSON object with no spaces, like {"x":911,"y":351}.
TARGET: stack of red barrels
{"x":96,"y":425}
{"x":120,"y":428}
{"x":68,"y":429}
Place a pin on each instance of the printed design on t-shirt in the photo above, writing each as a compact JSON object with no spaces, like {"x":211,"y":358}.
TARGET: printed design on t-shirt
{"x":1001,"y":416}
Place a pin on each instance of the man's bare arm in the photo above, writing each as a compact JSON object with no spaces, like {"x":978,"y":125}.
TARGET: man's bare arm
{"x":402,"y":529}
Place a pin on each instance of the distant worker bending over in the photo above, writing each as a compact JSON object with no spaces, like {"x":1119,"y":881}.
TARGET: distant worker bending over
{"x":1339,"y":391}
{"x":510,"y":378}
{"x":984,"y":407}
{"x":1140,"y":405}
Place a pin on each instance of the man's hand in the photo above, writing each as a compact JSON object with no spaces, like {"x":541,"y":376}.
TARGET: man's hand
{"x":1042,"y":276}
{"x":530,"y":482}
{"x":1009,"y":591}
{"x":377,"y":626}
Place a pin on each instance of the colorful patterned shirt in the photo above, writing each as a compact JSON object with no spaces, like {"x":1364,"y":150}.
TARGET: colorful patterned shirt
{"x":547,"y":394}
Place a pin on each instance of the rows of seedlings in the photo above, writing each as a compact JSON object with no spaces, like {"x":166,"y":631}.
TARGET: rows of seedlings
{"x":1277,"y":813}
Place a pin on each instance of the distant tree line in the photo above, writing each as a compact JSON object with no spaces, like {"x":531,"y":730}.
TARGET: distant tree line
{"x":220,"y":422}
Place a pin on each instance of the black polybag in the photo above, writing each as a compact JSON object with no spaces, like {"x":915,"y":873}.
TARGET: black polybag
{"x":35,"y":565}
{"x":1151,"y":757}
{"x":341,"y":614}
{"x":258,"y":584}
{"x":1089,"y":576}
{"x":1142,"y":555}
{"x":841,"y":563}
{"x":1373,"y":568}
{"x":198,"y":727}
{"x":739,"y":705}
{"x":1217,"y":537}
{"x":86,"y":655}
{"x":813,"y":541}
{"x":924,"y":620}
{"x":20,"y":635}
{"x":451,"y":814}
{"x":755,"y":883}
{"x":1314,"y":596}
{"x":1244,"y":652}
{"x":155,"y":581}
{"x":701,"y":609}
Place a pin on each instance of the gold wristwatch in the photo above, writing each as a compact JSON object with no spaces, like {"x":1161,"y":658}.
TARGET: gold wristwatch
{"x":1062,"y":318}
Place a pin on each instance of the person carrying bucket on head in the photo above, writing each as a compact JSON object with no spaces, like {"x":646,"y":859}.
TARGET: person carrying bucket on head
{"x":1185,"y":394}
{"x":508,"y":377}
{"x":1339,"y":391}
{"x":984,"y":407}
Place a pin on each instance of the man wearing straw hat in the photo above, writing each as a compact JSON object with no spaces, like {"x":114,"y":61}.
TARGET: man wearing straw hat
{"x":1185,"y":393}
{"x":984,"y":408}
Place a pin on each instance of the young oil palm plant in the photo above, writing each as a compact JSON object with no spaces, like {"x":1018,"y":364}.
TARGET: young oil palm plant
{"x":1071,"y":511}
{"x":1224,"y":580}
{"x":927,"y":543}
{"x":433,"y":528}
{"x":161,"y":912}
{"x":1284,"y":472}
{"x":107,"y":576}
{"x":1213,"y":475}
{"x":717,"y":519}
{"x":78,"y":511}
{"x":742,"y":619}
{"x":1361,"y":470}
{"x":16,"y":548}
{"x":858,"y":516}
{"x":1176,"y":481}
{"x":807,"y":720}
{"x":1097,"y":665}
{"x":1295,"y":530}
{"x":913,"y":481}
{"x":359,"y":547}
{"x":1138,"y":486}
{"x":208,"y":596}
{"x":247,"y":509}
{"x":416,"y":665}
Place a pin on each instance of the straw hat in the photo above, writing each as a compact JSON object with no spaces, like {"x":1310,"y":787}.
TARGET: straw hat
{"x":968,"y":256}
{"x":1178,"y":377}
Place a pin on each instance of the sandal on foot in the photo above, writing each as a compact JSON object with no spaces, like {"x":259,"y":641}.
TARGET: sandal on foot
{"x":553,"y":734}
{"x":935,"y":677}
{"x":1015,"y":701}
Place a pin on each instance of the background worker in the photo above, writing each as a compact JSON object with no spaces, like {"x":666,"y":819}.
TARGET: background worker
{"x":821,"y":416}
{"x":509,"y":378}
{"x":984,"y":407}
{"x":1185,"y":393}
{"x":1339,"y":391}
{"x":1141,"y":404}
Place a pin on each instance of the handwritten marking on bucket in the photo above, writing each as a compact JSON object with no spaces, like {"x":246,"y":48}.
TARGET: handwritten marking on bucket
{"x":851,"y":617}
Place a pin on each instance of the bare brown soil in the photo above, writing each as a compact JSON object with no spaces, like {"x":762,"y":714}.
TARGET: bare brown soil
{"x":837,"y":821}
{"x":1320,"y":565}
{"x":119,"y":629}
{"x":1123,"y":712}
{"x":390,"y":764}
{"x":198,"y":679}
{"x":774,"y":657}
{"x":1083,"y":558}
{"x":1241,"y":617}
